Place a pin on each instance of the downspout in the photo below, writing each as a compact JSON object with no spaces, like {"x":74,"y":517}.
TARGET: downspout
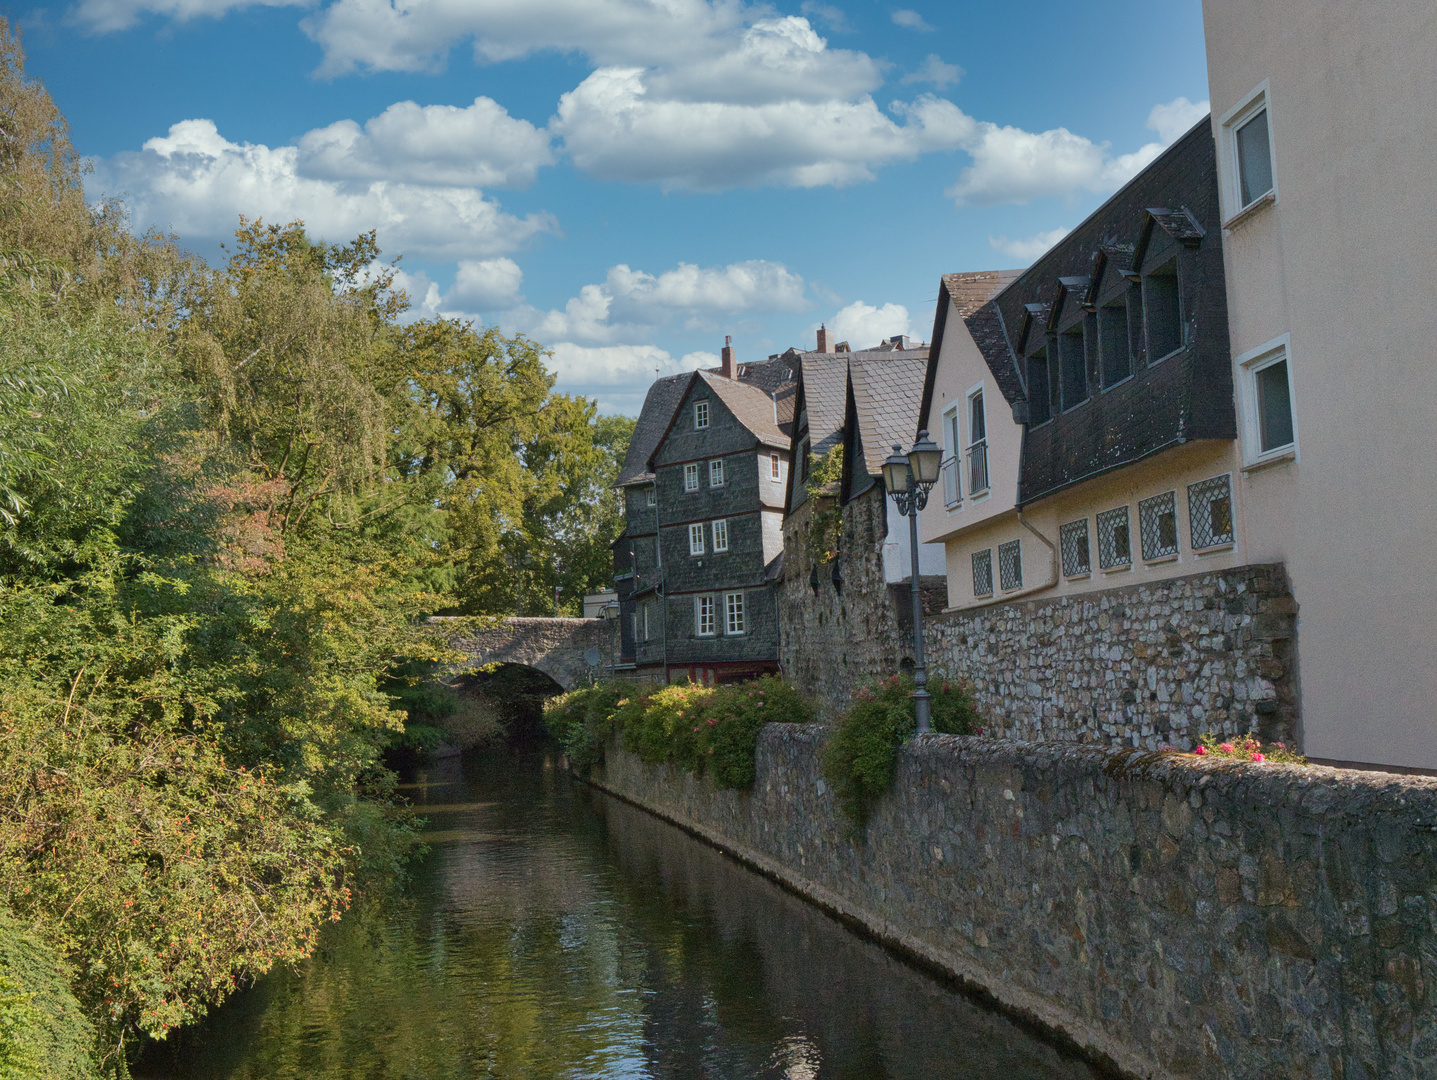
{"x":663,"y":594}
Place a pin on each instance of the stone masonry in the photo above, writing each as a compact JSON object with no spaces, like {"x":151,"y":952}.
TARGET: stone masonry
{"x":1174,"y":915}
{"x":1143,"y":666}
{"x":837,"y":637}
{"x":557,"y":647}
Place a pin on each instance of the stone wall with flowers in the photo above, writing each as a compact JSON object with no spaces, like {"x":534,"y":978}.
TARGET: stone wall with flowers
{"x":1174,"y":915}
{"x":1143,"y":666}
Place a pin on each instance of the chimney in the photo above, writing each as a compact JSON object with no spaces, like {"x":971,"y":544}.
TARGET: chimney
{"x":727,"y":368}
{"x":825,"y":340}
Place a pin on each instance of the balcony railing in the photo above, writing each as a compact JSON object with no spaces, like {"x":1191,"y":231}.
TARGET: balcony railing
{"x":978,"y":468}
{"x":952,"y":496}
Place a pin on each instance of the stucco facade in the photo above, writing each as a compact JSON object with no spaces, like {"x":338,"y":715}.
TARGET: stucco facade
{"x":1335,"y":268}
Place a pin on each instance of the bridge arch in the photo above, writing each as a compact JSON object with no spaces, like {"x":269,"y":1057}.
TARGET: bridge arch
{"x":560,"y":648}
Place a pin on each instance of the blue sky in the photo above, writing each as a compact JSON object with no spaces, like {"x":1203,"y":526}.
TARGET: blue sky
{"x":628,"y":181}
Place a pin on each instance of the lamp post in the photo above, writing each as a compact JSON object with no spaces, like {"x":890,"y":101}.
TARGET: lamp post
{"x":908,"y":479}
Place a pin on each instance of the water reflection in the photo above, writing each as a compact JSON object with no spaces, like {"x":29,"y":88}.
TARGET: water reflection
{"x":554,"y":932}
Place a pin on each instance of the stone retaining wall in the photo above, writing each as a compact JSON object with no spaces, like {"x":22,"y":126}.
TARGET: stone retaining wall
{"x":1176,"y":916}
{"x":1141,"y":666}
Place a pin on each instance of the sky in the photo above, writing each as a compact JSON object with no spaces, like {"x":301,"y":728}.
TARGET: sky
{"x":629,"y":181}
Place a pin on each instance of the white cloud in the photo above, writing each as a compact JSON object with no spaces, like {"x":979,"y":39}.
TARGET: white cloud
{"x":479,"y":146}
{"x":833,"y":18}
{"x":935,"y":72}
{"x":1011,"y":165}
{"x":630,"y":303}
{"x":105,"y":16}
{"x":196,"y":182}
{"x":614,"y":129}
{"x":485,"y":285}
{"x":911,"y":20}
{"x":1027,"y":250}
{"x":864,"y":326}
{"x":1176,"y":118}
{"x":618,"y":376}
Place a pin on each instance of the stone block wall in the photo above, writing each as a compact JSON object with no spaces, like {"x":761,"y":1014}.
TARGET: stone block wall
{"x":1173,"y":915}
{"x":836,"y":637}
{"x":1143,"y":666}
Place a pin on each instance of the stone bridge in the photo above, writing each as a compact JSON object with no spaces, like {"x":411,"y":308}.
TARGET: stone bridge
{"x":569,"y":651}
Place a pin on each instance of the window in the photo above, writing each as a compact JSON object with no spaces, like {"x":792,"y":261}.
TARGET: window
{"x":1210,"y":512}
{"x":1040,"y":410}
{"x":701,"y":415}
{"x":1115,"y":547}
{"x":1073,"y":539}
{"x":733,"y":613}
{"x":646,"y":622}
{"x":803,"y":461}
{"x":691,"y":477}
{"x":774,"y":468}
{"x":1162,"y":311}
{"x":651,"y":497}
{"x":1114,"y":352}
{"x":1158,"y":518}
{"x":1246,"y":148}
{"x":720,"y":528}
{"x":1265,"y":396}
{"x":1010,"y":565}
{"x":977,"y":445}
{"x":1075,"y":367}
{"x":952,"y":488}
{"x":635,"y":619}
{"x":704,"y":616}
{"x":716,"y":473}
{"x":696,"y":539}
{"x":983,"y":572}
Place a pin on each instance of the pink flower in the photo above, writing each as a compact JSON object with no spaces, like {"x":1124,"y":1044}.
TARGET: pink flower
{"x":1226,"y":748}
{"x":1200,"y":750}
{"x":696,"y":731}
{"x":1281,"y":745}
{"x":712,"y":721}
{"x":1258,"y":757}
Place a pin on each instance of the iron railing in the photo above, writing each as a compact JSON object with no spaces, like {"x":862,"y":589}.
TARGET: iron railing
{"x":978,"y":467}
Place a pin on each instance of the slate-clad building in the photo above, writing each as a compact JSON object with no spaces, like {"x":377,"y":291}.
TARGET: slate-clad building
{"x":703,"y":487}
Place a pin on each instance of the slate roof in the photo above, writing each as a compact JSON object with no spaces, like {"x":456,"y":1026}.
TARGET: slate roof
{"x":752,"y":408}
{"x":970,"y":291}
{"x":825,"y":386}
{"x":659,"y":405}
{"x":968,"y":294}
{"x":886,"y":396}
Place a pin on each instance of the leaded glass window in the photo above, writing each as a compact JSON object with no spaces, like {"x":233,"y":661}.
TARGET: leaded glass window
{"x":1210,"y":512}
{"x":1115,"y":546}
{"x":1010,"y":565}
{"x":1158,"y":518}
{"x":1073,"y":539}
{"x":983,"y":572}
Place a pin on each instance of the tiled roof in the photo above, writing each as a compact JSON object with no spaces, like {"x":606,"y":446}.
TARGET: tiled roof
{"x":967,"y":294}
{"x":986,"y":326}
{"x":970,"y":291}
{"x":659,"y":405}
{"x":886,"y":396}
{"x":753,"y":408}
{"x":825,"y":386}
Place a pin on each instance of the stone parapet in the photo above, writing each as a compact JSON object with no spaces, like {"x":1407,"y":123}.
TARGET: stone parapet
{"x":1173,"y":916}
{"x":1142,"y":665}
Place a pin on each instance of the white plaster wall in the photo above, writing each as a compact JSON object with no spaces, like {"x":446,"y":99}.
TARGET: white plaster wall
{"x":1342,"y":262}
{"x":772,"y":534}
{"x":897,"y":553}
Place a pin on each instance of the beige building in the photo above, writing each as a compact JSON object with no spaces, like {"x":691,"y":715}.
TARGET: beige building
{"x":1325,"y":119}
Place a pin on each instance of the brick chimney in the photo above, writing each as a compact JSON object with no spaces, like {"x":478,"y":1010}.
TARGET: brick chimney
{"x":727,"y":369}
{"x":825,"y":339}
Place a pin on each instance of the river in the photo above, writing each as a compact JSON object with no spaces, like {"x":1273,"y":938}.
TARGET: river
{"x":555,"y":932}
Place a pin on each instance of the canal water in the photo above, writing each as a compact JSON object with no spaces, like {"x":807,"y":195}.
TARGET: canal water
{"x":555,"y":932}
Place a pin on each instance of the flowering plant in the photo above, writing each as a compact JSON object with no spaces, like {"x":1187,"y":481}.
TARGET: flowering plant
{"x":1247,"y":748}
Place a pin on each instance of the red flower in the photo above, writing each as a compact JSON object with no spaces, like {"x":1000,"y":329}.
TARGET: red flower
{"x":1258,"y":757}
{"x":1201,"y":750}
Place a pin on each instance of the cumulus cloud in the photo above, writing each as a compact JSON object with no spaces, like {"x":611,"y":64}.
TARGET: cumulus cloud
{"x":1027,"y":250}
{"x":911,"y":20}
{"x":1176,"y":118}
{"x":479,"y":145}
{"x":485,"y":285}
{"x":833,"y":18}
{"x":630,"y":303}
{"x":618,"y":376}
{"x":196,"y":182}
{"x":1011,"y":165}
{"x":612,"y":128}
{"x":935,"y":72}
{"x":864,"y":326}
{"x":105,"y":16}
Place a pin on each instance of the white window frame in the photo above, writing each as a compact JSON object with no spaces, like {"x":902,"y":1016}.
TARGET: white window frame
{"x":976,"y":391}
{"x":1230,"y":177}
{"x":775,"y":468}
{"x":953,"y":462}
{"x":716,"y":473}
{"x":1250,"y":423}
{"x":691,"y":476}
{"x":735,"y":620}
{"x":720,"y":530}
{"x":696,"y":538}
{"x":704,"y":616}
{"x":701,"y":414}
{"x":652,"y":499}
{"x":646,"y":622}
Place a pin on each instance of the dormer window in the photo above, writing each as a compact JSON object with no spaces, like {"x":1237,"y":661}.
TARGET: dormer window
{"x":1162,"y":311}
{"x":1075,"y":367}
{"x":701,"y":415}
{"x":1040,"y":409}
{"x":1115,"y":354}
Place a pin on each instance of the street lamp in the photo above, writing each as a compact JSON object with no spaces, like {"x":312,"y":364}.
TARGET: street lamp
{"x":908,"y":479}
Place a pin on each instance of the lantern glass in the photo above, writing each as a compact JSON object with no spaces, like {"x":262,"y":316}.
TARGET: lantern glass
{"x":925,"y":459}
{"x":895,"y":472}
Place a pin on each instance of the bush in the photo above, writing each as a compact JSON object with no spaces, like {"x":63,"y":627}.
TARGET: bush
{"x":1247,"y":748}
{"x":701,"y":729}
{"x":43,"y":1030}
{"x":861,"y":754}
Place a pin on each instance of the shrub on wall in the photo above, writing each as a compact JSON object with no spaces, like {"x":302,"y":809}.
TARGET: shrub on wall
{"x":860,"y":756}
{"x":702,"y":729}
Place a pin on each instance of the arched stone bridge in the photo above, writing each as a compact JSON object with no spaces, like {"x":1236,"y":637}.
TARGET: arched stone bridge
{"x":560,"y":648}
